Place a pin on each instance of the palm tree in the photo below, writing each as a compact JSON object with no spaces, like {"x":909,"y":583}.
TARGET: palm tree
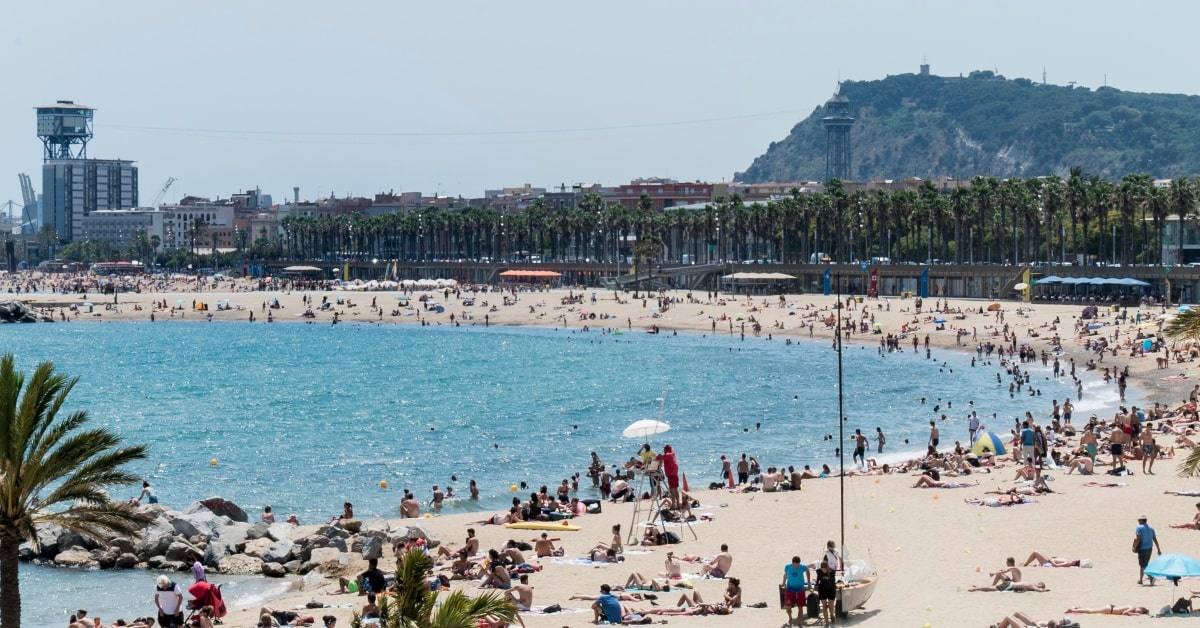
{"x":647,"y":250}
{"x":415,"y":606}
{"x":47,"y":459}
{"x":1183,"y":198}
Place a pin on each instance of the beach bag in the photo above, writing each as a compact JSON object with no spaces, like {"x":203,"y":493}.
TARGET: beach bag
{"x":670,"y":537}
{"x":1182,"y":605}
{"x":553,"y":608}
{"x":812,"y":606}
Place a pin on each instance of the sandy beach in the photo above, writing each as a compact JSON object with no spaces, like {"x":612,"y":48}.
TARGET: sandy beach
{"x":928,"y":545}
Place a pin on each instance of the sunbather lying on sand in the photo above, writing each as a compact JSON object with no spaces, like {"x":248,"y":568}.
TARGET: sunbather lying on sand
{"x":1131,"y":611}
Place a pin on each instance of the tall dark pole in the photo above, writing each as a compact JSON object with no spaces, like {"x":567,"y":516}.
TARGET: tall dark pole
{"x":841,"y":431}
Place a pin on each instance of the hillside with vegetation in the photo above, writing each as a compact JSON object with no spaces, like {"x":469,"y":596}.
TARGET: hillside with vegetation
{"x":927,"y":126}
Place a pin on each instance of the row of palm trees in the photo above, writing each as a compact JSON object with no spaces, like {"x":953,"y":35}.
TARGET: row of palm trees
{"x":989,"y":220}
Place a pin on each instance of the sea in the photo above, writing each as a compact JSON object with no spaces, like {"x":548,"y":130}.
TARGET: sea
{"x":303,"y":417}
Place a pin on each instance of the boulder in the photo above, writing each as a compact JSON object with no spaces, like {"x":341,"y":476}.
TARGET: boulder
{"x":306,"y":545}
{"x":372,"y":545}
{"x":339,"y":545}
{"x":351,"y":526}
{"x":179,"y":550}
{"x":257,"y":531}
{"x":222,"y":508}
{"x":280,"y":531}
{"x":124,"y":545}
{"x":199,"y":524}
{"x":257,"y":547}
{"x":107,"y":558}
{"x":333,"y":532}
{"x":292,"y":566}
{"x":26,"y":552}
{"x":215,"y":551}
{"x":240,"y":564}
{"x":155,"y":538}
{"x":320,"y":557}
{"x":47,"y":536}
{"x":232,"y":532}
{"x":17,"y":312}
{"x":279,"y":552}
{"x":273,"y":570}
{"x":74,"y":557}
{"x":419,"y":532}
{"x":126,"y":561}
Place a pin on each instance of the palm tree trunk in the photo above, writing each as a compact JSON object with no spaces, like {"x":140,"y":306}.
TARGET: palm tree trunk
{"x":10,"y":586}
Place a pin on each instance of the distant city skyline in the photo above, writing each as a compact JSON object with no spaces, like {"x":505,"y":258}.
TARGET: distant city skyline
{"x":454,"y":98}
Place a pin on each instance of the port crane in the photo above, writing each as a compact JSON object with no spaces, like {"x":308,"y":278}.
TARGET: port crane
{"x":163,"y":192}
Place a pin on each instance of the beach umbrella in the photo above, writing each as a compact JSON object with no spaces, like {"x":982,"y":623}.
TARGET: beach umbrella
{"x":1185,"y":308}
{"x":1173,"y":566}
{"x":995,"y":307}
{"x":989,"y":441}
{"x":939,"y":321}
{"x":644,"y":428}
{"x":1021,"y":286}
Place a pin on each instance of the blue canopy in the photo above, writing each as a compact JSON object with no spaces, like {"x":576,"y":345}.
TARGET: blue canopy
{"x":1130,"y":281}
{"x":1050,"y":279}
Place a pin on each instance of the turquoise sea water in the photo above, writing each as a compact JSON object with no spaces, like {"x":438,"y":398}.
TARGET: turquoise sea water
{"x":304,"y":417}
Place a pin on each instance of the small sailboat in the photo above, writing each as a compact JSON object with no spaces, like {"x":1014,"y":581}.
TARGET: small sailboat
{"x":858,"y":577}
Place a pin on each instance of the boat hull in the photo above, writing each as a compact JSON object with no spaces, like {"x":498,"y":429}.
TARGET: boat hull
{"x":855,"y":595}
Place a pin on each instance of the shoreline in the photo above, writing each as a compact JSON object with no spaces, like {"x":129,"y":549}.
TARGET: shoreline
{"x":907,"y":513}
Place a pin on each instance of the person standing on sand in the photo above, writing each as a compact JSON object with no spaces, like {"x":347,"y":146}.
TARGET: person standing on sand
{"x":933,"y":437}
{"x":860,"y":447}
{"x":880,"y":439}
{"x":795,"y":581}
{"x":743,"y":470}
{"x":1144,"y":541}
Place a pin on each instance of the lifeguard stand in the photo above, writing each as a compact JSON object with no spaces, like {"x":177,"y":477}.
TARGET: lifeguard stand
{"x":648,"y":513}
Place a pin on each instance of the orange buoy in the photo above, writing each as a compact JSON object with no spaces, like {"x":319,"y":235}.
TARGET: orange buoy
{"x":685,"y":484}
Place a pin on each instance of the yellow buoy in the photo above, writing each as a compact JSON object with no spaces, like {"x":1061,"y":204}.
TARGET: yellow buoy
{"x":512,"y":489}
{"x":213,"y":462}
{"x":383,"y":484}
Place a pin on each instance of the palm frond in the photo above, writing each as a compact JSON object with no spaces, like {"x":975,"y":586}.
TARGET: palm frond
{"x":1185,"y":326}
{"x":1190,"y":467}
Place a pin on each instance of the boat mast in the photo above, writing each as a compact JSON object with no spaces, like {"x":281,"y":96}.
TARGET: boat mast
{"x":841,"y":430}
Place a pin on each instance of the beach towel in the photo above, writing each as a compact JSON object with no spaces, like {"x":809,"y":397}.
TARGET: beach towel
{"x":551,"y":609}
{"x":586,"y":562}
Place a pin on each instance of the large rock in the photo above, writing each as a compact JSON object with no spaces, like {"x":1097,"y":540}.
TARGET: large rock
{"x":216,"y":550}
{"x":321,"y":557}
{"x":257,"y":547}
{"x":273,"y":570}
{"x":257,"y":531}
{"x":233,"y":532}
{"x":17,"y":312}
{"x":280,"y":531}
{"x":350,"y":525}
{"x":280,"y":552}
{"x":155,"y":538}
{"x":240,"y":564}
{"x":222,"y":508}
{"x":74,"y":557}
{"x":419,"y":532}
{"x":333,"y":532}
{"x":107,"y":559}
{"x":124,"y":545}
{"x":70,"y":538}
{"x":201,"y":523}
{"x":47,"y":536}
{"x":377,"y":525}
{"x":126,"y":561}
{"x":373,"y":544}
{"x":178,"y":551}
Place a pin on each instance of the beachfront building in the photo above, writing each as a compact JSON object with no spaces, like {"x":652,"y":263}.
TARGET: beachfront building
{"x":74,"y":188}
{"x":198,"y":223}
{"x":120,"y":226}
{"x":662,"y":193}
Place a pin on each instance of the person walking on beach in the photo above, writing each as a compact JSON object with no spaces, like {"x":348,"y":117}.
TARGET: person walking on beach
{"x":743,"y":470}
{"x":1144,"y":541}
{"x":795,"y":581}
{"x":972,"y":427}
{"x":933,"y":437}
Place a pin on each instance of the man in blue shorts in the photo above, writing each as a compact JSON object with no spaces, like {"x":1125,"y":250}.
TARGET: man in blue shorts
{"x":795,"y":580}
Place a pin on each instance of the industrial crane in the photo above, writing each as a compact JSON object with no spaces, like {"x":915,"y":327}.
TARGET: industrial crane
{"x":163,"y":192}
{"x":29,"y":211}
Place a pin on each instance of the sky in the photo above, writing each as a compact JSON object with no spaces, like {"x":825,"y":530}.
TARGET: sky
{"x":454,"y":97}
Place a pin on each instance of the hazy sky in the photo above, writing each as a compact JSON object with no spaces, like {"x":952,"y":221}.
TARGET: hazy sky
{"x":358,"y":97}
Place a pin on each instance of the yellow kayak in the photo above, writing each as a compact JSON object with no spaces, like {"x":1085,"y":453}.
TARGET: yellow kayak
{"x":542,"y":525}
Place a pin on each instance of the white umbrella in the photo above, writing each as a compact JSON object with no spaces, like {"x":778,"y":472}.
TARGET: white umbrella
{"x":643,"y":428}
{"x":1021,"y":286}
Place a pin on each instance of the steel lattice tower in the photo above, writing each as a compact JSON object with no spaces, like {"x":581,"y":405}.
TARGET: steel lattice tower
{"x":837,"y":138}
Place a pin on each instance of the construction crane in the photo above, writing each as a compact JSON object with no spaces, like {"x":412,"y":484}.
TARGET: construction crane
{"x":29,"y":211}
{"x":163,"y":192}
